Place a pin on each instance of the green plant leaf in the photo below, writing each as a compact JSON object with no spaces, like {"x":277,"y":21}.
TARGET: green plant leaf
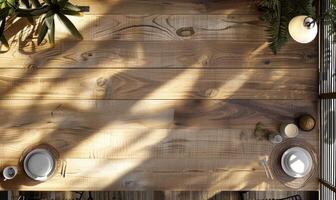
{"x":32,"y":12}
{"x":42,"y":32}
{"x":70,"y":6}
{"x":73,"y":30}
{"x":49,"y":13}
{"x":51,"y":28}
{"x":61,"y":3}
{"x":4,"y":41}
{"x":277,"y":14}
{"x":260,"y":131}
{"x":4,"y":13}
{"x":2,"y":26}
{"x":36,"y":3}
{"x":28,"y":6}
{"x":71,"y":12}
{"x":26,"y":3}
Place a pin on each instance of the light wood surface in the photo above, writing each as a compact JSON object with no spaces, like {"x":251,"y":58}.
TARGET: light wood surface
{"x":161,"y":54}
{"x":165,"y":27}
{"x":160,"y":195}
{"x":136,"y":106}
{"x":158,"y":84}
{"x":168,"y":7}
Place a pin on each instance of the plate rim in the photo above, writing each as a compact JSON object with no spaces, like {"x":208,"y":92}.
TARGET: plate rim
{"x":33,"y":176}
{"x":290,"y":173}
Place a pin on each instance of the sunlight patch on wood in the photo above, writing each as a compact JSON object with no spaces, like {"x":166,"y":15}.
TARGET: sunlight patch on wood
{"x":235,"y":83}
{"x":183,"y":82}
{"x":120,"y":143}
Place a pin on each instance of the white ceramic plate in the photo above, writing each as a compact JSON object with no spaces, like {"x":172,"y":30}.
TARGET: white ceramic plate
{"x":296,"y":162}
{"x":39,"y":164}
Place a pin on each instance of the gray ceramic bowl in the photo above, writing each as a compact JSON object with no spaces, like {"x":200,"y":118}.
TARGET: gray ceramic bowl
{"x":39,"y":164}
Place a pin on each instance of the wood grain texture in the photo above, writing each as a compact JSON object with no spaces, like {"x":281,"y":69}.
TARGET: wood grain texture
{"x":142,"y":105}
{"x":160,"y":54}
{"x":140,"y":150}
{"x":170,"y":7}
{"x":164,"y":154}
{"x":164,"y":195}
{"x":65,"y":124}
{"x":158,"y":84}
{"x":165,"y":27}
{"x":230,"y":114}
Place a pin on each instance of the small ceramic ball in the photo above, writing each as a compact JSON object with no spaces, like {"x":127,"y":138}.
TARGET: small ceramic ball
{"x":307,"y":123}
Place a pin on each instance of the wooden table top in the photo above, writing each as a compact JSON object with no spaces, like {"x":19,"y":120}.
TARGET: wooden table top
{"x":135,"y":106}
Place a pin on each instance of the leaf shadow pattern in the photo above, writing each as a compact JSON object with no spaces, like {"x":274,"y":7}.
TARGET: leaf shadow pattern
{"x":70,"y":125}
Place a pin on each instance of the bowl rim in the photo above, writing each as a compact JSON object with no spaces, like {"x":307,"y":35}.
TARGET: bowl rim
{"x":288,"y":171}
{"x":33,"y":176}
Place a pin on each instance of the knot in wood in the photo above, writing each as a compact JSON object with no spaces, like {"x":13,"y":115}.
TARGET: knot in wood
{"x":101,"y":82}
{"x":185,"y":31}
{"x":31,"y":66}
{"x":85,"y":56}
{"x":211,"y":92}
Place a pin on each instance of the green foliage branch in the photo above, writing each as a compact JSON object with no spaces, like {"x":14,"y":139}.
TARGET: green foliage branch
{"x":277,"y":15}
{"x":43,"y":12}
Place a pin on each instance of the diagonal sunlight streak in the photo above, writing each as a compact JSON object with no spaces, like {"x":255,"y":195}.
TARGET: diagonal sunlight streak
{"x":123,"y":150}
{"x":34,"y":107}
{"x":126,"y":155}
{"x":119,"y":143}
{"x":232,"y":86}
{"x":188,"y":77}
{"x":142,"y":150}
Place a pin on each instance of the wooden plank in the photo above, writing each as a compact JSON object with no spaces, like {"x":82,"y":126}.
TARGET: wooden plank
{"x":231,"y":114}
{"x":166,"y":27}
{"x":156,"y":27}
{"x":154,"y":181}
{"x":168,"y":7}
{"x":160,"y":54}
{"x":169,"y":134}
{"x":158,"y":84}
{"x":235,"y":146}
{"x":66,"y":124}
{"x":208,"y":159}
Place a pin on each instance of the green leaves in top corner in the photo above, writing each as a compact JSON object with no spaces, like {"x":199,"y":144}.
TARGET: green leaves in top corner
{"x":69,"y":26}
{"x":49,"y":10}
{"x":277,"y":14}
{"x":43,"y":11}
{"x":5,"y":11}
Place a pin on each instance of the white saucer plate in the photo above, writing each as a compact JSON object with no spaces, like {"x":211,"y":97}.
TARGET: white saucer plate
{"x":296,"y":162}
{"x":39,"y":164}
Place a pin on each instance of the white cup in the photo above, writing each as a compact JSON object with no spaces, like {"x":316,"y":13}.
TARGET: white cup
{"x":289,"y":130}
{"x":9,"y":172}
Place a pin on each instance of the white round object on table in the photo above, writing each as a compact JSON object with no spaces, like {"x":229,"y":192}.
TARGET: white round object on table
{"x":302,"y":29}
{"x":9,"y":172}
{"x":296,"y":162}
{"x":39,"y":164}
{"x":289,"y":130}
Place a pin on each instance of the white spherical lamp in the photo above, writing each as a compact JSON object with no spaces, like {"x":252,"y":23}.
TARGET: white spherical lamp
{"x":302,"y":29}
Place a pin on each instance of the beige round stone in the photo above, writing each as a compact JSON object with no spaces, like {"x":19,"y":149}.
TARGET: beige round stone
{"x":307,"y":123}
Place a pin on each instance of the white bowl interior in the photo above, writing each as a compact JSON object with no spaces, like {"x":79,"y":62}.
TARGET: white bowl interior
{"x":39,"y":164}
{"x":296,"y":162}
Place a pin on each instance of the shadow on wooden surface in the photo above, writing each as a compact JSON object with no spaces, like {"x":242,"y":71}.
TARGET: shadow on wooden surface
{"x":125,"y":84}
{"x":157,"y":195}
